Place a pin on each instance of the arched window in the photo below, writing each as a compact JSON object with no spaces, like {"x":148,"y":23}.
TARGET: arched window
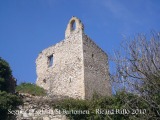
{"x":73,"y":25}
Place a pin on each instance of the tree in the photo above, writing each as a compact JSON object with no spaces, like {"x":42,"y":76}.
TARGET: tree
{"x":7,"y":81}
{"x":8,"y":101}
{"x":138,"y":69}
{"x":7,"y":86}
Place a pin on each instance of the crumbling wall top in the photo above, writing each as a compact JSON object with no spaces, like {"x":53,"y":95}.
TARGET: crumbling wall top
{"x":73,"y":26}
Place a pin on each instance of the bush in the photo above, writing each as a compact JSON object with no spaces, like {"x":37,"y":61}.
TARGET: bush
{"x":8,"y":102}
{"x":30,"y":89}
{"x":7,"y":81}
{"x":104,"y":108}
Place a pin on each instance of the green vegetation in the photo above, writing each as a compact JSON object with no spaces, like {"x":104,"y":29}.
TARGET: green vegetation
{"x":8,"y":101}
{"x":30,"y":89}
{"x":107,"y":108}
{"x":5,"y":75}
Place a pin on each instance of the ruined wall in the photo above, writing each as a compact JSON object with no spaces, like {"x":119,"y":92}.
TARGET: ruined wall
{"x":37,"y":108}
{"x":65,"y":76}
{"x":96,"y":75}
{"x":79,"y":67}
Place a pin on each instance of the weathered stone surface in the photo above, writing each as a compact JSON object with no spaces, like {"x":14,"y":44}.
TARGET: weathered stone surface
{"x":79,"y":67}
{"x":38,"y":108}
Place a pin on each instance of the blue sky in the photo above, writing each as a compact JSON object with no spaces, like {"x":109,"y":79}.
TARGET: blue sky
{"x":29,"y":26}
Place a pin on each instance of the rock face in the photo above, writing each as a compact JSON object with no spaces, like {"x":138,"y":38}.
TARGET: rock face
{"x":76,"y":67}
{"x":37,"y":108}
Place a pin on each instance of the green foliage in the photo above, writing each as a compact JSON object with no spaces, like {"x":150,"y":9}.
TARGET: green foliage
{"x":5,"y":75}
{"x":106,"y":108}
{"x":30,"y":89}
{"x":151,"y":92}
{"x":8,"y":102}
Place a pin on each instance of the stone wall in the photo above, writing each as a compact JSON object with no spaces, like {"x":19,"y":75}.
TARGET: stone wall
{"x":96,"y":77}
{"x":38,"y":108}
{"x":79,"y":67}
{"x":65,"y":76}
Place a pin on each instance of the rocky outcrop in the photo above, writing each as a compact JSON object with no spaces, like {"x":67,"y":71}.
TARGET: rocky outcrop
{"x":38,"y":108}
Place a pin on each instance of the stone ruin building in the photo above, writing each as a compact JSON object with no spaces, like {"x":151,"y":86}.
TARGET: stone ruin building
{"x":75,"y":67}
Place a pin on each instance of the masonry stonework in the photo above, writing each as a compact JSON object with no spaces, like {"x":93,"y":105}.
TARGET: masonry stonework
{"x":76,"y":67}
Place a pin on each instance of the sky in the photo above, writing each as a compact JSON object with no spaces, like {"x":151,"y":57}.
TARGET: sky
{"x":29,"y":26}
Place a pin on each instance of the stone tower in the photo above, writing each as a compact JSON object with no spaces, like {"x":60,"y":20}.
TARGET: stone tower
{"x":75,"y":67}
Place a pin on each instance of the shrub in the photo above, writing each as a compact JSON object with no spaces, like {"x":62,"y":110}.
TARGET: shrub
{"x":30,"y":89}
{"x":105,"y":108}
{"x":7,"y":81}
{"x":8,"y":101}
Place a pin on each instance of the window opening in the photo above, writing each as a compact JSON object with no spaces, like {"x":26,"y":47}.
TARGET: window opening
{"x":44,"y":80}
{"x":92,"y":55}
{"x":73,"y":25}
{"x":50,"y":59}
